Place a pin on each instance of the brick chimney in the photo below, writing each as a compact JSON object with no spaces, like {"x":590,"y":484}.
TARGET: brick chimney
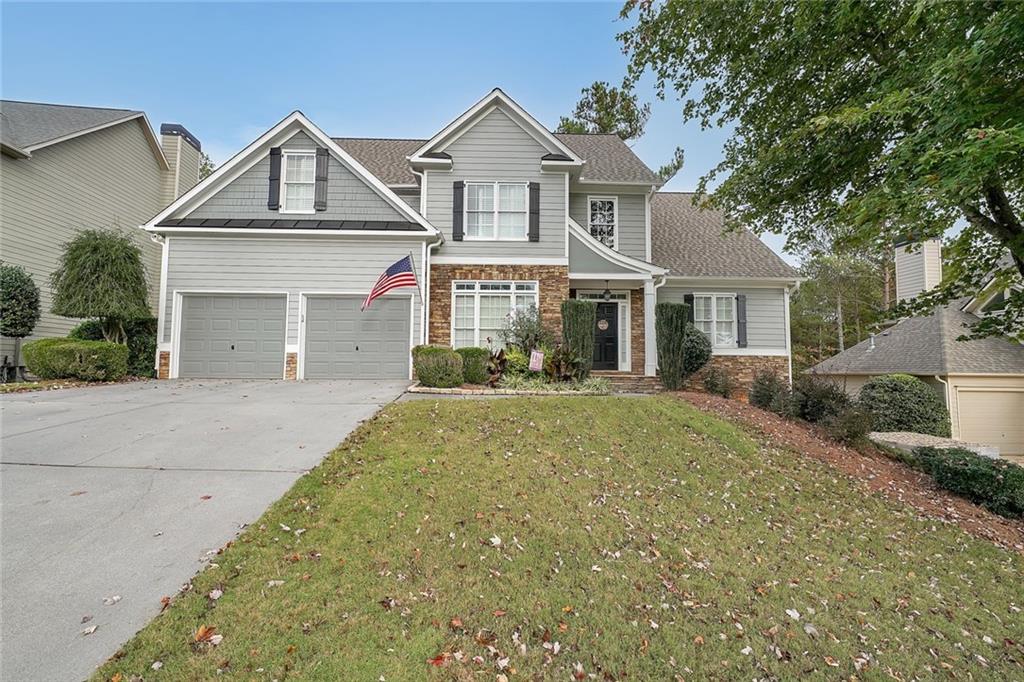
{"x":918,"y":267}
{"x":183,"y":153}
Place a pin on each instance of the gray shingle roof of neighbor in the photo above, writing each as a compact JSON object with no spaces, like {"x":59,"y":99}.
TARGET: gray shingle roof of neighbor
{"x":692,"y":242}
{"x":927,"y":345}
{"x":608,"y":159}
{"x":27,"y":124}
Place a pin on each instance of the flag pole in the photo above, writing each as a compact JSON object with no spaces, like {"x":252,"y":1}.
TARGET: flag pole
{"x":412,"y":262}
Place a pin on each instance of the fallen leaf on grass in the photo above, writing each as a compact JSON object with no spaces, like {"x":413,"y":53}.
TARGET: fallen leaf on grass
{"x":275,"y":583}
{"x":440,"y":659}
{"x":215,"y":594}
{"x":499,"y":613}
{"x":793,"y":613}
{"x":164,"y":603}
{"x":208,"y":634}
{"x":831,"y":662}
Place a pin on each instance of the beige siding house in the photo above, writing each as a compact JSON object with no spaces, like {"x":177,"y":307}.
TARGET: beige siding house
{"x":65,"y":168}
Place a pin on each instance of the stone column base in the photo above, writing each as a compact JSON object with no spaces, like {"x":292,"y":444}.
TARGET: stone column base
{"x":163,"y":370}
{"x":291,"y":366}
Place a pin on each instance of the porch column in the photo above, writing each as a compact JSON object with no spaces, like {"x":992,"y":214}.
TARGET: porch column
{"x":650,"y":343}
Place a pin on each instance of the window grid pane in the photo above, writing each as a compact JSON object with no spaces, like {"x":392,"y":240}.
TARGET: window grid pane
{"x":480,"y":197}
{"x":512,"y":198}
{"x":723,"y":308}
{"x":299,"y":168}
{"x":511,"y":225}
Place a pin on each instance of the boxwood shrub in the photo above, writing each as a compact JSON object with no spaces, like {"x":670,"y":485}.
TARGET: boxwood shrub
{"x":900,"y":402}
{"x":141,"y":342}
{"x":996,"y":484}
{"x":766,"y":389}
{"x":76,"y":359}
{"x":579,"y":318}
{"x":474,"y":364}
{"x":718,"y":381}
{"x":816,"y":399}
{"x":437,"y":366}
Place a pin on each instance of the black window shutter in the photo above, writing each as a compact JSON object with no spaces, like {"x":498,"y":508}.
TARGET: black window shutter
{"x":741,"y":320}
{"x":688,"y":300}
{"x":274,"y":191}
{"x":534,"y":211}
{"x":458,"y":196}
{"x":320,"y":187}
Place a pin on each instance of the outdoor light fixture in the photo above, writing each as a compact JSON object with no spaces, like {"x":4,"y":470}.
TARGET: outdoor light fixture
{"x":607,"y":295}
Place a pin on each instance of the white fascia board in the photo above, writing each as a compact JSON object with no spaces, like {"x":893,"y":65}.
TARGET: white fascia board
{"x":497,"y":260}
{"x":151,"y":137}
{"x":751,"y":282}
{"x":612,"y":255}
{"x":287,"y":232}
{"x":490,"y":100}
{"x":248,"y":157}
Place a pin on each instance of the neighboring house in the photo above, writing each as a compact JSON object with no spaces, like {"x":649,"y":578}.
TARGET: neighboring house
{"x":67,"y":168}
{"x":267,"y":260}
{"x":981,"y":381}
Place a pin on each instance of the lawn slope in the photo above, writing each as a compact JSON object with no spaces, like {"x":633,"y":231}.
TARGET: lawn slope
{"x":601,"y":538}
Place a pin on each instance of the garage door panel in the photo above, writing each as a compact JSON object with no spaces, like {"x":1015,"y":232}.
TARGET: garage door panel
{"x":343,"y":342}
{"x":232,"y":336}
{"x":993,"y":417}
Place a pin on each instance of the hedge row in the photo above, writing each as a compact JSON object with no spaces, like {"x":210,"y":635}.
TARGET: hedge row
{"x":996,"y":484}
{"x":141,"y":342}
{"x":76,"y":359}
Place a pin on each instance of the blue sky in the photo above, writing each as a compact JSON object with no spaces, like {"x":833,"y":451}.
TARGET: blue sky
{"x":229,"y":71}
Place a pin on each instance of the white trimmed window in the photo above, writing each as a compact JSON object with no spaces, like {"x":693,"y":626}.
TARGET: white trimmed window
{"x":604,"y":219}
{"x":299,"y":175}
{"x":481,"y":309}
{"x":715,"y":315}
{"x":496,"y":210}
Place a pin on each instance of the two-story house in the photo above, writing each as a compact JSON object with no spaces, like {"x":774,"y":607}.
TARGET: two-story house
{"x":67,"y":168}
{"x":266,"y":262}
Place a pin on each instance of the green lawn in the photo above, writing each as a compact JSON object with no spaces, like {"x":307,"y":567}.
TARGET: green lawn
{"x":635,"y":536}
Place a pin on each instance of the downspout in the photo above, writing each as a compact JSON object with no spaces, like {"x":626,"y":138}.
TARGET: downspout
{"x":945,"y":390}
{"x":162,"y":297}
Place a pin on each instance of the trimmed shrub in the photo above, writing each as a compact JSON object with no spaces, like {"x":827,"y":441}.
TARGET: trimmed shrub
{"x":765,"y":389}
{"x":141,"y":342}
{"x":518,"y":362}
{"x":437,"y":366}
{"x":817,"y":400}
{"x":525,"y":330}
{"x":75,"y":359}
{"x":578,"y":321}
{"x":696,"y":350}
{"x":719,"y":382}
{"x":996,"y":484}
{"x":474,"y":364}
{"x":19,"y":302}
{"x":849,"y":425}
{"x":901,"y":402}
{"x":670,"y":330}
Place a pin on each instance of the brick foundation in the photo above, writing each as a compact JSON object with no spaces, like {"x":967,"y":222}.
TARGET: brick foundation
{"x":553,"y":282}
{"x":291,"y":366}
{"x":163,"y":369}
{"x":742,"y":368}
{"x":636,"y":331}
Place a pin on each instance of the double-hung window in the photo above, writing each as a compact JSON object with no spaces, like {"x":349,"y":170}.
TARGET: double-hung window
{"x":496,"y":210}
{"x":603,"y":217}
{"x":480,"y":310}
{"x":715,"y":315}
{"x":299,"y":180}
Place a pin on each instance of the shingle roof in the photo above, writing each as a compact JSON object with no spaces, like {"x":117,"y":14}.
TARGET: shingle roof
{"x":29,"y":124}
{"x":691,"y":242}
{"x":608,"y":159}
{"x":928,"y":345}
{"x":384,"y":157}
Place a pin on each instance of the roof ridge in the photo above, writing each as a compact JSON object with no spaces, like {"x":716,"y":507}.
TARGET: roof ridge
{"x":394,"y":139}
{"x":554,"y":132}
{"x":70,"y":106}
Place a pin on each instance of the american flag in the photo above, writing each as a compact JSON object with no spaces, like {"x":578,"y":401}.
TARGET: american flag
{"x":401,"y":274}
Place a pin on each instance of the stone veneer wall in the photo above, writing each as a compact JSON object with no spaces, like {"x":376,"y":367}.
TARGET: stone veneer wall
{"x":636,"y":332}
{"x":742,"y":368}
{"x":291,"y":366}
{"x":163,"y":370}
{"x":553,"y":282}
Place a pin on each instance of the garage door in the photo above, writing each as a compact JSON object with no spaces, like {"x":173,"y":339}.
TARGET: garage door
{"x":993,"y":418}
{"x":232,"y":336}
{"x":344,"y":343}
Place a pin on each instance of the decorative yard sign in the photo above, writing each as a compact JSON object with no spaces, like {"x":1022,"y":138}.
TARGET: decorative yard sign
{"x":536,"y":360}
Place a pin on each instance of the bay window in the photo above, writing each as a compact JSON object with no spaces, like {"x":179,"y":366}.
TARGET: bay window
{"x":297,"y":188}
{"x":715,"y":315}
{"x":496,"y":210}
{"x":480,"y":310}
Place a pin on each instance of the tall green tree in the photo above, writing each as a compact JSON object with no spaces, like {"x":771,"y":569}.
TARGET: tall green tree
{"x":101,"y":275}
{"x":206,"y":166}
{"x":19,"y":308}
{"x":869,"y":120}
{"x":603,"y":108}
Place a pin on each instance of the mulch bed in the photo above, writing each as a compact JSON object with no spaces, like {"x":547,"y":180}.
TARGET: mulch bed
{"x":871,"y":466}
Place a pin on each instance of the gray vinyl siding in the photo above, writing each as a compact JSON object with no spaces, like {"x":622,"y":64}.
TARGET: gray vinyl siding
{"x":107,"y":178}
{"x":411,"y":197}
{"x":632,"y":225}
{"x":348,"y":197}
{"x":496,"y":149}
{"x":766,"y":312}
{"x":583,"y":260}
{"x":291,"y":265}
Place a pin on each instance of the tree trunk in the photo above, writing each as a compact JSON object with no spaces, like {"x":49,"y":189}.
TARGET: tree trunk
{"x":19,"y":373}
{"x":839,"y":323}
{"x":113,"y":330}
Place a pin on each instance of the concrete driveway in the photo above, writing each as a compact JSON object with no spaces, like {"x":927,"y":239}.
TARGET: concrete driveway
{"x":124,"y":491}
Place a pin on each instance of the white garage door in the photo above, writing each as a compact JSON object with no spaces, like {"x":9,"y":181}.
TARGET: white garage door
{"x":993,"y":418}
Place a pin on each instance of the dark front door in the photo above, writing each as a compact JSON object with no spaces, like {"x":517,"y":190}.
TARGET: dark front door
{"x":606,"y":337}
